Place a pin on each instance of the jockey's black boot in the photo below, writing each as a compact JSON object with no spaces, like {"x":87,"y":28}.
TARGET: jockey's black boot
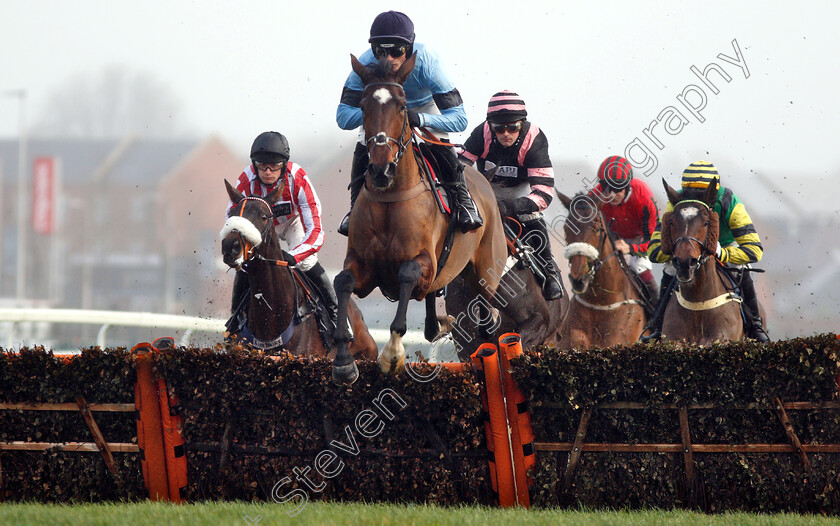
{"x":655,"y":323}
{"x":467,"y":216}
{"x":755,"y":323}
{"x":325,"y":288}
{"x":552,"y":289}
{"x":357,"y":181}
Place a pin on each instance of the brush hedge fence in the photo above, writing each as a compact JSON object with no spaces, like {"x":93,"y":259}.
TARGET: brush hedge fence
{"x":724,"y":427}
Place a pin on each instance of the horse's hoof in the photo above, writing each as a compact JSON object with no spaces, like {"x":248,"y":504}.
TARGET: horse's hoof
{"x":345,"y":374}
{"x":392,"y":366}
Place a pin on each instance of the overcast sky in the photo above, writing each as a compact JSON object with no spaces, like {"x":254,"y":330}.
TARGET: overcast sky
{"x":593,"y":74}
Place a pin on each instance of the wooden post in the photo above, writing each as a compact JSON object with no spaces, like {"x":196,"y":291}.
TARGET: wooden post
{"x":98,"y":438}
{"x":688,"y":458}
{"x":791,"y":434}
{"x":574,"y":456}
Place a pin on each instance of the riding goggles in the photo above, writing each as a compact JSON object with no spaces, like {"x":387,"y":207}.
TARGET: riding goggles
{"x":510,"y":127}
{"x":270,"y":167}
{"x":606,"y":189}
{"x":380,"y":51}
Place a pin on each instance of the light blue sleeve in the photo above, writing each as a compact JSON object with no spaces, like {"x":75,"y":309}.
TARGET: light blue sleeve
{"x":433,"y":76}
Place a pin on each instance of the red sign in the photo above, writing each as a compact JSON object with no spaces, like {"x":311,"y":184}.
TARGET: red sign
{"x":43,"y":195}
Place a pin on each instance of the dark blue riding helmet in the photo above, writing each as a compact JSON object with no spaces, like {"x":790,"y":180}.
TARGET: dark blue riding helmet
{"x":392,"y":26}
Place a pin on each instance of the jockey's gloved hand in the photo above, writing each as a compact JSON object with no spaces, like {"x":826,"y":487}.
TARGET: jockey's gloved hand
{"x":414,"y":118}
{"x":523,"y":205}
{"x":718,"y":251}
{"x":288,"y":258}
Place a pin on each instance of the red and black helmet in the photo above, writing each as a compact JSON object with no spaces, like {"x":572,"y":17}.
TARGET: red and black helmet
{"x":615,"y":173}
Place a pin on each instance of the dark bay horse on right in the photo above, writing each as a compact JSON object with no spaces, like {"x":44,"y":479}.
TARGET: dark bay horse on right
{"x":703,"y":308}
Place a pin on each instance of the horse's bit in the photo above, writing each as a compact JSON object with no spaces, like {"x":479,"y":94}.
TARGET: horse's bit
{"x":381,"y":139}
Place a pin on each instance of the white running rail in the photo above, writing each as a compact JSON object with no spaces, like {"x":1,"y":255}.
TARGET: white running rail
{"x":106,"y":319}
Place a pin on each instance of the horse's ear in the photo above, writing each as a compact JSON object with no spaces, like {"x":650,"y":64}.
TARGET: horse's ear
{"x":711,"y":193}
{"x":673,"y":195}
{"x":234,"y":194}
{"x":667,"y":245}
{"x":712,"y":232}
{"x":406,"y":68}
{"x":359,"y":69}
{"x":563,"y":199}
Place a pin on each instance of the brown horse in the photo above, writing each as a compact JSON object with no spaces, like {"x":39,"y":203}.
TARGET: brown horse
{"x":606,"y":308}
{"x":397,"y":233}
{"x":250,"y":242}
{"x":702,"y":308}
{"x":520,"y":290}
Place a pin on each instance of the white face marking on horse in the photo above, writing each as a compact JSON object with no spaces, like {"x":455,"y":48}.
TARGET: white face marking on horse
{"x":382,"y":95}
{"x":688,"y":213}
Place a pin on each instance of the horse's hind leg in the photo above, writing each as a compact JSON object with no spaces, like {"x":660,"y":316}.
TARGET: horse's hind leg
{"x":392,"y":358}
{"x":344,"y":367}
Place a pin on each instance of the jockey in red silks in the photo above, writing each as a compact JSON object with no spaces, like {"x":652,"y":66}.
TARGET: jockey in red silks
{"x":297,"y":215}
{"x":524,"y":178}
{"x":631,"y":214}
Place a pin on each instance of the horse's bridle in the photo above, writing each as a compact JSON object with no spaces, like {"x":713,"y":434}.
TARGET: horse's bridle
{"x":597,"y":263}
{"x":248,"y":253}
{"x":704,"y":252}
{"x":381,"y":138}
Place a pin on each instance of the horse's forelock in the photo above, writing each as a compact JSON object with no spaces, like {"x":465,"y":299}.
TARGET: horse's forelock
{"x":582,"y":213}
{"x":382,"y":70}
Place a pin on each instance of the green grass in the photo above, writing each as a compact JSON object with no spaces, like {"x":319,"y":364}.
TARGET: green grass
{"x":235,"y":513}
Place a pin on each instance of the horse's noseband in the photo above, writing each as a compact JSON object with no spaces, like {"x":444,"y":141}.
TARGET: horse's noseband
{"x":246,"y":253}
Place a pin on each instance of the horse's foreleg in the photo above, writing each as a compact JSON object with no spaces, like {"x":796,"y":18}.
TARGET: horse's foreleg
{"x":392,"y":358}
{"x":344,"y":367}
{"x":432,"y":327}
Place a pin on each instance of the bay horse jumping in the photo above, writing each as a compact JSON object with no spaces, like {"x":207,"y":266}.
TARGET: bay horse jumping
{"x":703,"y":308}
{"x":250,"y":242}
{"x":397,"y":233}
{"x":606,"y":308}
{"x":518,"y":288}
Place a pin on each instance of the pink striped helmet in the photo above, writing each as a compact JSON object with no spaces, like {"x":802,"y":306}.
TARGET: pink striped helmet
{"x":506,"y":106}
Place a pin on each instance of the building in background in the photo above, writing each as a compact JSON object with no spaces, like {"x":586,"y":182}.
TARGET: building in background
{"x":136,"y":229}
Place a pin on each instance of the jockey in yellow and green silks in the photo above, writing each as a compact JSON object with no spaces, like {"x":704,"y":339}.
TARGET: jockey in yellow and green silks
{"x":739,"y":243}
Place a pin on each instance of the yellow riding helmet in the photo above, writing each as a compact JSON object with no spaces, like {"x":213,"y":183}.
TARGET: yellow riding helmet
{"x":699,"y":175}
